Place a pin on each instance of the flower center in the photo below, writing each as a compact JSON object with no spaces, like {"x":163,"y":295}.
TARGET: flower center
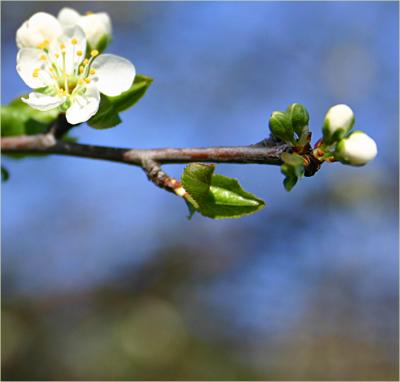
{"x":62,"y":68}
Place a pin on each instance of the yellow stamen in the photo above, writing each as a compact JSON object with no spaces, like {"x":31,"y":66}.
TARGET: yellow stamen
{"x":81,"y":69}
{"x":44,"y":44}
{"x":74,"y":41}
{"x":79,"y":53}
{"x":57,"y":55}
{"x":88,"y":13}
{"x":43,"y":57}
{"x":85,"y":61}
{"x":94,"y":53}
{"x":35,"y":73}
{"x":62,"y":46}
{"x":87,"y":80}
{"x":92,"y":71}
{"x":80,"y":81}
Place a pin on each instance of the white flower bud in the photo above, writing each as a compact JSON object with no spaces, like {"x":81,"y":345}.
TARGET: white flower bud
{"x":338,"y":121}
{"x":96,"y":26}
{"x":357,"y":149}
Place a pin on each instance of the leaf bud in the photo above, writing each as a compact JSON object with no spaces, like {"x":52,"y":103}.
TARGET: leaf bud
{"x":299,"y":117}
{"x":281,"y":126}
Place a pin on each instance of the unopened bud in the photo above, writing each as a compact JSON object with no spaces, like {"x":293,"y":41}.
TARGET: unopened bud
{"x":338,"y":122}
{"x":281,"y":126}
{"x":356,"y":150}
{"x":299,"y":117}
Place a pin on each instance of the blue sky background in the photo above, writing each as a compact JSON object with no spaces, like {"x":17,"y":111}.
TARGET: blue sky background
{"x":319,"y":261}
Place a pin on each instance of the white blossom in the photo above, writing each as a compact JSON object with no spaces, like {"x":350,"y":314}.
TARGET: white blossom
{"x":338,"y":117}
{"x":357,"y":149}
{"x":39,"y":31}
{"x":42,"y":28}
{"x":95,"y":25}
{"x":70,"y":81}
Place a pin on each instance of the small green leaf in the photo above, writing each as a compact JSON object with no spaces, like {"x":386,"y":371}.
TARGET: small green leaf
{"x":130,"y":97}
{"x":12,"y":122}
{"x":292,"y":159}
{"x":18,"y":118}
{"x":291,"y":177}
{"x":46,"y":117}
{"x":107,"y":115}
{"x":5,"y":175}
{"x":218,"y":196}
{"x":289,"y":182}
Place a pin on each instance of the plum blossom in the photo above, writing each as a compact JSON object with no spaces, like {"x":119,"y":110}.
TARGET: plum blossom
{"x":69,"y":81}
{"x":43,"y":28}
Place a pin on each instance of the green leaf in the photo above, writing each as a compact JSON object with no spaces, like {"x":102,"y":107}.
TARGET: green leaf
{"x":133,"y":95}
{"x":293,"y":168}
{"x":5,"y":175}
{"x":291,"y":178}
{"x":46,"y":117}
{"x":217,"y":196}
{"x":289,"y":182}
{"x":12,"y":122}
{"x":108,"y":116}
{"x":18,"y":118}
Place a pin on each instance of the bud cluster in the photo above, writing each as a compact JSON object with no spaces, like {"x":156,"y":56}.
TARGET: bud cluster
{"x":290,"y":126}
{"x":353,"y":148}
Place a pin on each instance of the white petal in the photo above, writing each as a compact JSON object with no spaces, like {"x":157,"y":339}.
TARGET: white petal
{"x":114,"y":74}
{"x":43,"y":102}
{"x":72,"y":60}
{"x":68,"y":16}
{"x":28,"y":59}
{"x":84,"y":106}
{"x":41,"y":26}
{"x":95,"y":26}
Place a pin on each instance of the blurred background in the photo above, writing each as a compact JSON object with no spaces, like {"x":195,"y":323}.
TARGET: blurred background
{"x":103,"y":276}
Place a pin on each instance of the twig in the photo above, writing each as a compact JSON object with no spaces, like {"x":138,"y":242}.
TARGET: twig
{"x":267,"y":152}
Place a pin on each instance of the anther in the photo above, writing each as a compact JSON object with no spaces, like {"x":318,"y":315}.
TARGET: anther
{"x":92,"y":71}
{"x":43,"y":57}
{"x":79,"y":53}
{"x":44,"y":44}
{"x":57,"y":55}
{"x":85,"y":61}
{"x":81,"y":69}
{"x":88,"y":13}
{"x":87,"y":80}
{"x":94,"y":53}
{"x":74,"y":41}
{"x":62,"y":46}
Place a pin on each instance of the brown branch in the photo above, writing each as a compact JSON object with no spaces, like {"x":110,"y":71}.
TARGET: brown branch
{"x":267,"y":152}
{"x":47,"y":144}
